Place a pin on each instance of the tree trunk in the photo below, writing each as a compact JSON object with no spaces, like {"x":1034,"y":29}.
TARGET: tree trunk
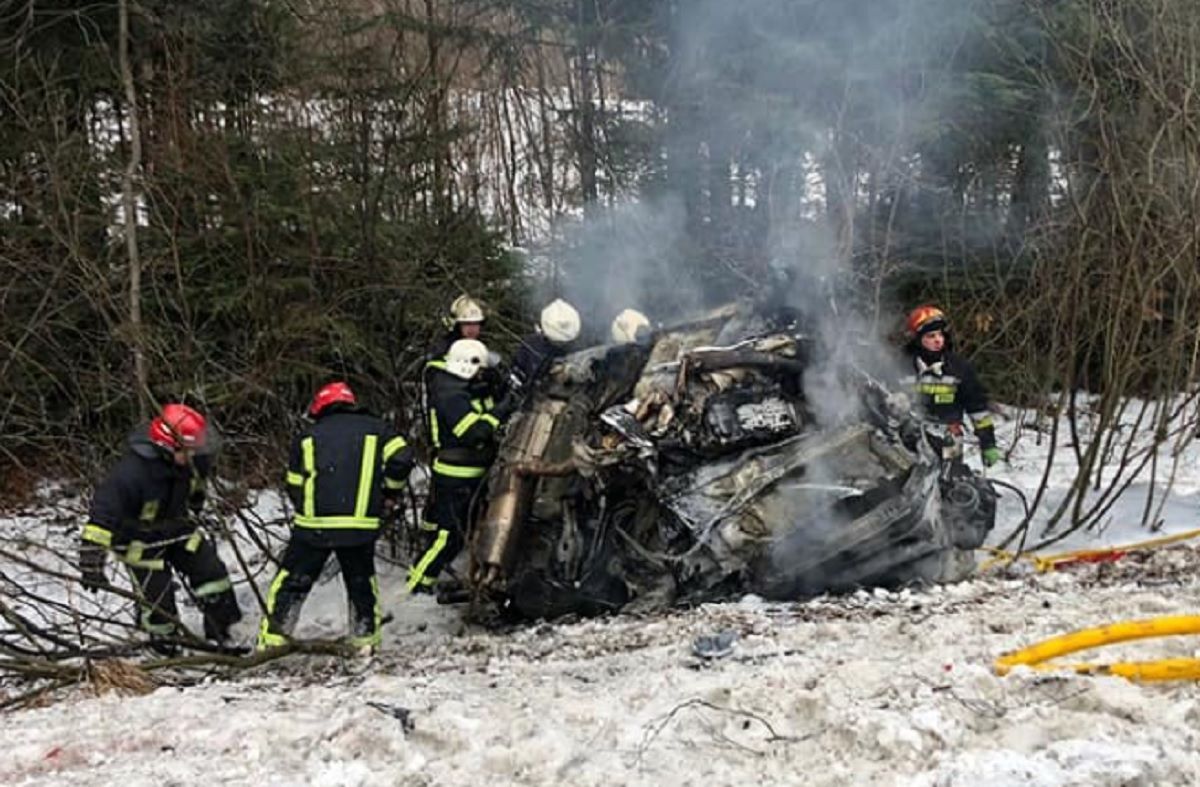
{"x":129,"y":202}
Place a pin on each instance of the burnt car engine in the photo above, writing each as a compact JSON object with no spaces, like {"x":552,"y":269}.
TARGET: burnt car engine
{"x":696,"y":468}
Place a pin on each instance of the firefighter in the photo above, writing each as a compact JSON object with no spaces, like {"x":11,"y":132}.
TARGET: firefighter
{"x":463,"y":424}
{"x":143,"y":512}
{"x":631,"y":327}
{"x":465,"y":321}
{"x":345,"y":470}
{"x":558,"y":327}
{"x":946,"y":383}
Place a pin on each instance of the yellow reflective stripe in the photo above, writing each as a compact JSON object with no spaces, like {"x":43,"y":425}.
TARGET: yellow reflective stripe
{"x":149,"y":565}
{"x":95,"y":534}
{"x":309,"y":460}
{"x":155,"y":628}
{"x":416,"y":575}
{"x":936,"y":388}
{"x":133,"y":552}
{"x":338,"y":522}
{"x":194,"y":541}
{"x":375,"y":637}
{"x":491,"y":419}
{"x":366,"y":475}
{"x":438,"y":364}
{"x":466,"y":423}
{"x":214,"y":587}
{"x":433,"y":428}
{"x":457,"y":471}
{"x":267,"y":639}
{"x":389,"y":483}
{"x":149,"y":511}
{"x":391,"y":447}
{"x":982,"y":421}
{"x":428,"y":526}
{"x":294,"y":478}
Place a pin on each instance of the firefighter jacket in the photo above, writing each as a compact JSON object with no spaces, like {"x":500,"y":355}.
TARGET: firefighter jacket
{"x":949,"y":390}
{"x":462,"y":426}
{"x":531,"y":359}
{"x":340,"y":470}
{"x":145,"y":497}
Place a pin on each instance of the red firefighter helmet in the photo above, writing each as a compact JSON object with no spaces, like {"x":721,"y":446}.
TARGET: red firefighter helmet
{"x":179,"y":426}
{"x":333,"y":393}
{"x":924,"y":319}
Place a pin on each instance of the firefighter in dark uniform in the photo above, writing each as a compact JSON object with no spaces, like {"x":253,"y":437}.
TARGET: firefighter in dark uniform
{"x":463,"y":424}
{"x":142,"y":513}
{"x":558,"y":327}
{"x":344,"y":471}
{"x":946,"y":384}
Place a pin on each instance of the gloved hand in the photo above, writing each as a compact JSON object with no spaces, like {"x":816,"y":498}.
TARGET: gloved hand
{"x":91,"y":567}
{"x":991,"y":456}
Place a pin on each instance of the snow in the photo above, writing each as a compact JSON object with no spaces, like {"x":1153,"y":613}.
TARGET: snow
{"x":876,"y":687}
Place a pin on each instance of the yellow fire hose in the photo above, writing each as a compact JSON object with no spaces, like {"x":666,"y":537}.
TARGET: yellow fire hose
{"x":1165,"y":669}
{"x":1044,"y":563}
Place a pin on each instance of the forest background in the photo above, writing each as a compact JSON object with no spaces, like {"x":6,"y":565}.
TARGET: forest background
{"x":229,"y":202}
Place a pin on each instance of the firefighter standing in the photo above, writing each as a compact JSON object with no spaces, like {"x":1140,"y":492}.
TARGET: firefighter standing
{"x":946,"y":383}
{"x":558,"y":327}
{"x":142,"y":513}
{"x":344,"y":470}
{"x":463,"y":421}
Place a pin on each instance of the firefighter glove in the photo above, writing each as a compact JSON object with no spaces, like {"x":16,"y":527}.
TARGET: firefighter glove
{"x":991,"y":456}
{"x":91,"y":567}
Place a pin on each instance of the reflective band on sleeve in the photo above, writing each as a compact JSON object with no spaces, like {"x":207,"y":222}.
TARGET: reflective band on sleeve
{"x":95,"y":534}
{"x":468,"y":420}
{"x":491,"y":419}
{"x":391,"y":447}
{"x":194,"y":541}
{"x":389,"y":483}
{"x":149,"y":511}
{"x":457,"y":471}
{"x":213,"y":588}
{"x":308,"y":454}
{"x":427,"y":526}
{"x":366,"y":475}
{"x":294,"y":478}
{"x":433,"y":428}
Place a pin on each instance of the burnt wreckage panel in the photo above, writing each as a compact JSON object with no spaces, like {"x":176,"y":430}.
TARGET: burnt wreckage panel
{"x":694,"y":469}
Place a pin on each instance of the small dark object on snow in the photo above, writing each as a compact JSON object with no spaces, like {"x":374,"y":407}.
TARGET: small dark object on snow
{"x":402,"y":714}
{"x":714,"y":646}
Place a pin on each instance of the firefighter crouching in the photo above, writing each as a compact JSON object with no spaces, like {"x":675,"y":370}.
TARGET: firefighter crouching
{"x":463,"y":423}
{"x":946,"y":384}
{"x":343,"y":472}
{"x":142,"y":513}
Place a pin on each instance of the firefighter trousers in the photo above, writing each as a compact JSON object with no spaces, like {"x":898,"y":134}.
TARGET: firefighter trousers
{"x":300,"y":568}
{"x":445,"y":528}
{"x":194,"y":557}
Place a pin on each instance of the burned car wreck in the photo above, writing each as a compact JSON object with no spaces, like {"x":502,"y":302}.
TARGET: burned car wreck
{"x":695,"y":468}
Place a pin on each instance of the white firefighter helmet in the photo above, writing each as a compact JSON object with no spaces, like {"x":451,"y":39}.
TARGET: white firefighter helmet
{"x":466,"y":357}
{"x":560,"y":322}
{"x":466,"y":309}
{"x":629,"y":325}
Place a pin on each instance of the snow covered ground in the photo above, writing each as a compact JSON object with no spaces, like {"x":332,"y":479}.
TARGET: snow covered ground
{"x":874,"y":688}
